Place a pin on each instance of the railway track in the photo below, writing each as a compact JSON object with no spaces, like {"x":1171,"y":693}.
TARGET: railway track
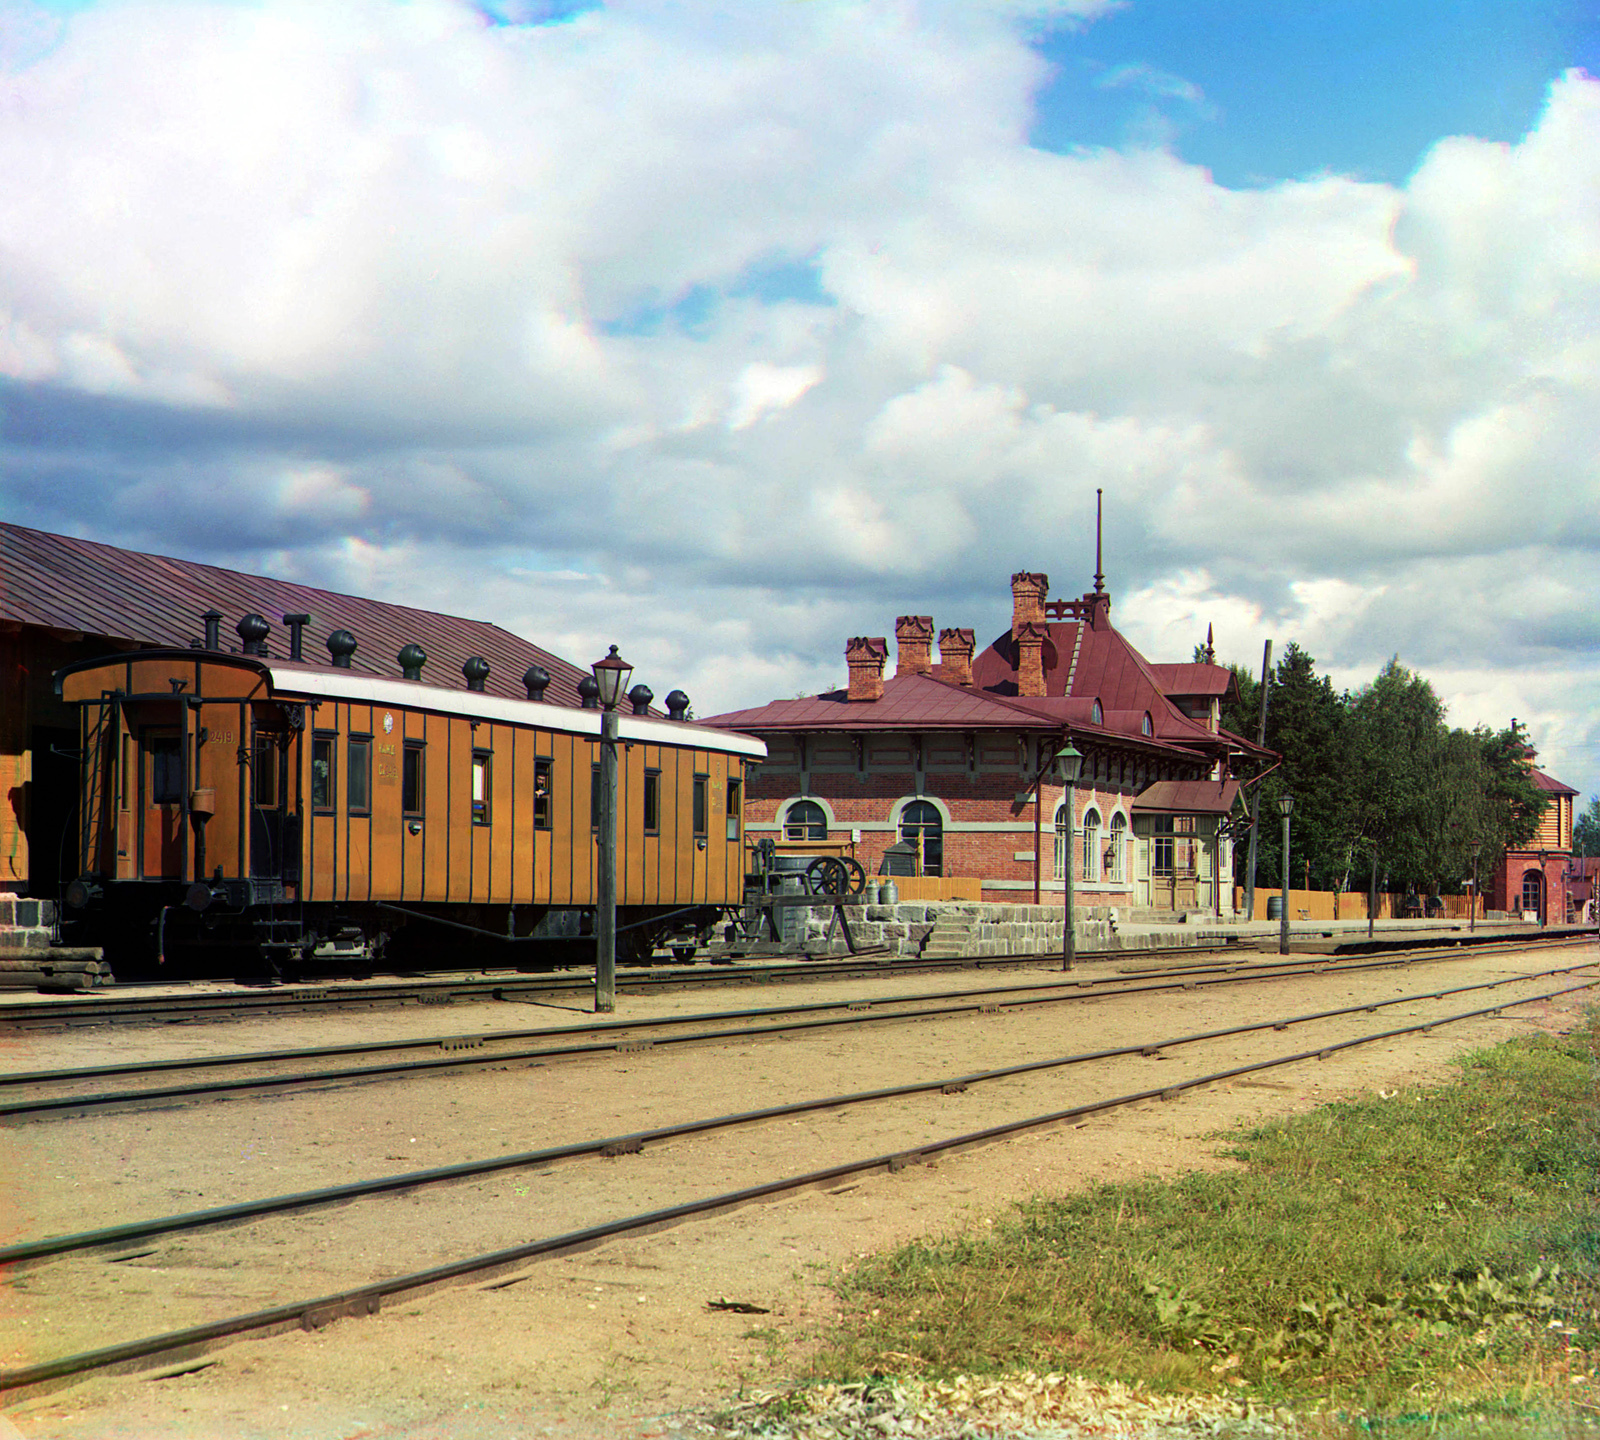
{"x":457,"y":1052}
{"x":499,"y":1264}
{"x":118,"y":1007}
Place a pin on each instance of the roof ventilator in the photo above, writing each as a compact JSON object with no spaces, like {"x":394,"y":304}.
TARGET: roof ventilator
{"x":589,"y":693}
{"x":341,"y":646}
{"x":640,"y":697}
{"x":213,"y":619}
{"x":476,"y":670}
{"x":411,"y":660}
{"x":297,"y":625}
{"x":536,"y":678}
{"x":253,"y":631}
{"x":677,"y":706}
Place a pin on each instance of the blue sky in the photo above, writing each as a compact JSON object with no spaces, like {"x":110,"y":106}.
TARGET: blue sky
{"x":728,"y":332}
{"x":1263,"y":90}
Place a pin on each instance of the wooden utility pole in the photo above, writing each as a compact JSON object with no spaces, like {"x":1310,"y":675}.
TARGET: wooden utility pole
{"x":1255,"y":802}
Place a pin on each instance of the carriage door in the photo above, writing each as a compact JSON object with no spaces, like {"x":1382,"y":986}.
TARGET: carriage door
{"x":161,"y":783}
{"x":269,"y":777}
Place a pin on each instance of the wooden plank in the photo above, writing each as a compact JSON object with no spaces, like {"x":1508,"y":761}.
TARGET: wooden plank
{"x":520,"y":881}
{"x":460,"y":823}
{"x":565,"y":801}
{"x":388,"y":741}
{"x":436,"y":809}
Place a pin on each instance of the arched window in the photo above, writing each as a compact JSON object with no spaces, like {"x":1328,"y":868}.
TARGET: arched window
{"x":1098,"y":716}
{"x":805,"y":820}
{"x":1062,"y":821}
{"x":1116,"y":846}
{"x":1146,"y":725}
{"x":1091,"y":846}
{"x":923,"y":826}
{"x":1533,"y":891}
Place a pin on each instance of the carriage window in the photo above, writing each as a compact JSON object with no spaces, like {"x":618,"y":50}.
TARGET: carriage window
{"x":166,"y":771}
{"x":700,"y":805}
{"x":358,"y":777}
{"x":652,"y":802}
{"x":411,"y":779}
{"x":541,"y":794}
{"x":264,"y":769}
{"x":805,"y":820}
{"x":480,"y":787}
{"x":322,"y":772}
{"x":122,"y":776}
{"x":735,"y":808}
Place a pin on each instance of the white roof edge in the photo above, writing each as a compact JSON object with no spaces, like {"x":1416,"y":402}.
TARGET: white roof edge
{"x":414,"y":695}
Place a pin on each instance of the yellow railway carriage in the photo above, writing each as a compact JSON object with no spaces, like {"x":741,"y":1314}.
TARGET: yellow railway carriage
{"x":232,"y":800}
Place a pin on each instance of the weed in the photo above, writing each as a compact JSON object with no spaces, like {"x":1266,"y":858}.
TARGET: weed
{"x":1386,"y":1254}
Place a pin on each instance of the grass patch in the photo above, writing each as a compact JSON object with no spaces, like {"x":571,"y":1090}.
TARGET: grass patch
{"x":1421,"y":1253}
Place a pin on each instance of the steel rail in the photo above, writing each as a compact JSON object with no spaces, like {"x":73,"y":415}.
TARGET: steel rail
{"x":1126,"y":982}
{"x":121,"y":1008}
{"x":972,"y":1001}
{"x":367,"y":1299}
{"x":53,"y":1246}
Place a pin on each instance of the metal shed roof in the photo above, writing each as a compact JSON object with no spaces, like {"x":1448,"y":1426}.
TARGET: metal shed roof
{"x":66,"y":584}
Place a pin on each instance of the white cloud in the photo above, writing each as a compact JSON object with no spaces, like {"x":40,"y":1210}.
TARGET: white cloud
{"x":772,"y":319}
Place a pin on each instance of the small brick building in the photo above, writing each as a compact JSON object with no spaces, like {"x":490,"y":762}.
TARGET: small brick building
{"x":1537,"y":880}
{"x":952,"y":760}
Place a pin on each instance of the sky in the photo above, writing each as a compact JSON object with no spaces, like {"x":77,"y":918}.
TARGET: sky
{"x":726,"y":332}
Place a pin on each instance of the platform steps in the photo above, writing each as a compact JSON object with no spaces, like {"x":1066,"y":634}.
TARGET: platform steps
{"x":951,"y":937}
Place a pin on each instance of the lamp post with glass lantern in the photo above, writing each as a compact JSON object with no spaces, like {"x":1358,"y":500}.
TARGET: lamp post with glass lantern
{"x":1069,"y":761}
{"x":611,"y":675}
{"x":1286,"y":805}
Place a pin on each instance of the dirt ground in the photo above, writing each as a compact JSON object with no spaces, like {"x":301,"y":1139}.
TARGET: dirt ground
{"x":621,"y":1340}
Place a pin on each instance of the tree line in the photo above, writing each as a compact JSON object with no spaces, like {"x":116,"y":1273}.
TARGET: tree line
{"x":1386,"y":793}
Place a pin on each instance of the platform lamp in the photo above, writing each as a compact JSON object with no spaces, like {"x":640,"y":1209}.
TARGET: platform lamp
{"x":1286,"y":805}
{"x":1069,"y":763}
{"x":1472,"y":914}
{"x":611,"y":675}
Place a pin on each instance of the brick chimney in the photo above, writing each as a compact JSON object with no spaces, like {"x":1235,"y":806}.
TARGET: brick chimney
{"x":1030,"y":640}
{"x":865,"y":655}
{"x":913,"y":636}
{"x":955,"y":656}
{"x":1028,"y":594}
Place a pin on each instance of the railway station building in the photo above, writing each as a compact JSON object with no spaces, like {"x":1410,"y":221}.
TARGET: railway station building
{"x":1542,"y":881}
{"x":945,"y":771}
{"x":64,"y":600}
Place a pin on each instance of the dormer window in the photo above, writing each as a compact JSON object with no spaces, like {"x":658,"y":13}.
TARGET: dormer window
{"x":1147,"y":726}
{"x":1097,"y":715}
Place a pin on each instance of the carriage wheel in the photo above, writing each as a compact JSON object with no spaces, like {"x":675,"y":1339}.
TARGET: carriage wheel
{"x":826,"y":875}
{"x":858,"y":876}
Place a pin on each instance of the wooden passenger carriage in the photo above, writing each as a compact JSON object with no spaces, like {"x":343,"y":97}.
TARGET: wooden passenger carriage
{"x":234,"y":800}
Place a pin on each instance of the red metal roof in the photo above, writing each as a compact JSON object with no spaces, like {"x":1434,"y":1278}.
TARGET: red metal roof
{"x":1187,"y":797}
{"x":1194,"y":679}
{"x":1549,"y":784}
{"x":918,"y":702}
{"x":63,"y":583}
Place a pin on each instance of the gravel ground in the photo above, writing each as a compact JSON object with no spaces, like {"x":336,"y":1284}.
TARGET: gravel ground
{"x":634,"y":1338}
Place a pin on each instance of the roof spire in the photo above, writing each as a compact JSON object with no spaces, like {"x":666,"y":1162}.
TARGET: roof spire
{"x":1211,"y":650}
{"x":1099,"y":577}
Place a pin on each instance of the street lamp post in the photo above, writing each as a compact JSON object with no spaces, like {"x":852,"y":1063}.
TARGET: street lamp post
{"x":1070,"y":762}
{"x":1544,"y":891}
{"x":1286,"y":805}
{"x":611,"y":675}
{"x":1472,"y":914}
